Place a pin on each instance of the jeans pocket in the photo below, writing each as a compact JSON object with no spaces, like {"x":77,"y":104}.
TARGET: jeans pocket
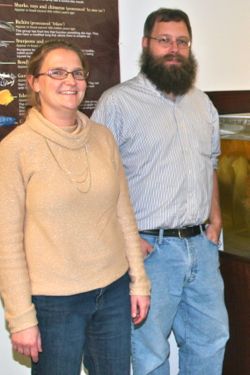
{"x":149,"y":255}
{"x":152,"y":240}
{"x":214,"y":244}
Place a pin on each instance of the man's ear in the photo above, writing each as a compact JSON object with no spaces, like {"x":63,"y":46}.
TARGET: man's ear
{"x":144,"y":42}
{"x":33,"y":83}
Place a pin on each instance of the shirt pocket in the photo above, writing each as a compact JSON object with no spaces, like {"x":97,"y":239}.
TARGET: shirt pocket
{"x":202,"y":139}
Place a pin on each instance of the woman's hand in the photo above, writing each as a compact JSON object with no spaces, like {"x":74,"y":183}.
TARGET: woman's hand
{"x":139,"y":308}
{"x":27,"y":342}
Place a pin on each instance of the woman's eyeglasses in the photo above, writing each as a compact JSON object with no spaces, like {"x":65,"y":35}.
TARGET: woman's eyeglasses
{"x":60,"y":74}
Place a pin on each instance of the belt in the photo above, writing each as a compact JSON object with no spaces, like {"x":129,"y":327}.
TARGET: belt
{"x":176,"y":232}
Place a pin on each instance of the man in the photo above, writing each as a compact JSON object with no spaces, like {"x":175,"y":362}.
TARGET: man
{"x":168,"y":135}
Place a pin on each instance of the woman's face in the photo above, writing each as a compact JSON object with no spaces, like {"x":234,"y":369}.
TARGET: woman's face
{"x":59,"y":97}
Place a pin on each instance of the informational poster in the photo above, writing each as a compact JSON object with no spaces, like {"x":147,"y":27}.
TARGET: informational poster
{"x":24,"y":25}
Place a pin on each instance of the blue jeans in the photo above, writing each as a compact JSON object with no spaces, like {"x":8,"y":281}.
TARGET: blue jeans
{"x":99,"y":320}
{"x":188,"y":298}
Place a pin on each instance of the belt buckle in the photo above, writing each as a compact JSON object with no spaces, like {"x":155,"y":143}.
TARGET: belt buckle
{"x":179,"y":234}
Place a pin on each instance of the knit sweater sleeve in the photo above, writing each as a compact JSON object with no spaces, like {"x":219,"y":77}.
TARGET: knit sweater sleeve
{"x":14,"y":277}
{"x":140,"y":284}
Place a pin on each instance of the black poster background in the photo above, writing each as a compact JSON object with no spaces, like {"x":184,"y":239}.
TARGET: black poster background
{"x":91,"y":24}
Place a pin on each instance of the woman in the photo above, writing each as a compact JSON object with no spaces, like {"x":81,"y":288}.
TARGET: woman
{"x":68,"y":237}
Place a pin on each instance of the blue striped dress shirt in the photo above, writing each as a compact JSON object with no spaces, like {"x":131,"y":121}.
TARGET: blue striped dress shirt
{"x":169,"y":150}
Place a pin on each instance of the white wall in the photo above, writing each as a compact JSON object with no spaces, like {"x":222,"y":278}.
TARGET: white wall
{"x":220,"y":39}
{"x":221,"y":45}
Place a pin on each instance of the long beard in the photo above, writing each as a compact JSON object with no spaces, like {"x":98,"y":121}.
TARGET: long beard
{"x":174,"y":79}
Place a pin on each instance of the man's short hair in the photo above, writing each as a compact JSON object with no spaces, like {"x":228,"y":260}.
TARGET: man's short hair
{"x":166,"y":15}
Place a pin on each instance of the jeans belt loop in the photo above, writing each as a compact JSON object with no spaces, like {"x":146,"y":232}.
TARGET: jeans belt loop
{"x":179,"y":234}
{"x":161,"y":232}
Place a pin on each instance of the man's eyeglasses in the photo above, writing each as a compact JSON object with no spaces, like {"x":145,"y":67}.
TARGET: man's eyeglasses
{"x":166,"y":41}
{"x":60,"y":74}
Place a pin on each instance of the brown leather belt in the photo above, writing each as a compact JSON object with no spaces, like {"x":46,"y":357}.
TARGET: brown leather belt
{"x":176,"y":232}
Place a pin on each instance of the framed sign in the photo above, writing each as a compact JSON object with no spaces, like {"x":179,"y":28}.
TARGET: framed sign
{"x":24,"y":25}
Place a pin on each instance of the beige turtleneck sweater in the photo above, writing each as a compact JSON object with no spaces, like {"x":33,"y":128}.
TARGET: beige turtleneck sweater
{"x":66,"y":223}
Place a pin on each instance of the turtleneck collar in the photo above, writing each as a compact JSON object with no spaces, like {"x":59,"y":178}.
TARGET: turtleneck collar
{"x":68,"y":149}
{"x":71,"y":140}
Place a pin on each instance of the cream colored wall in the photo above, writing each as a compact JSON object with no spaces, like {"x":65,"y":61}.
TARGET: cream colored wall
{"x":221,"y":45}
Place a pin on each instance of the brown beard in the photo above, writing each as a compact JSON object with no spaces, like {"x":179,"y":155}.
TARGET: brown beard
{"x":173,"y":79}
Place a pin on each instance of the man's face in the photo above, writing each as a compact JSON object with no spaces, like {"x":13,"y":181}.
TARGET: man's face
{"x":166,"y":59}
{"x":174,"y":32}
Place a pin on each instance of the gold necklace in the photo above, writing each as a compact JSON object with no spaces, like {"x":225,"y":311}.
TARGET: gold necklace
{"x":81,"y":180}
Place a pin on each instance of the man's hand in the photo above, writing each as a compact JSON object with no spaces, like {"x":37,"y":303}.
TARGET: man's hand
{"x":146,"y":247}
{"x":213,"y":233}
